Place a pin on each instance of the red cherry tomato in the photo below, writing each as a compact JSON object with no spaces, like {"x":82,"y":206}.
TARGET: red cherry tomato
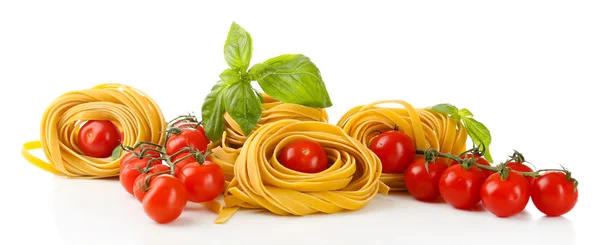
{"x":189,"y":137}
{"x":305,"y":156}
{"x":478,"y":159}
{"x":507,"y":197}
{"x":130,"y":172}
{"x":553,"y":194}
{"x":204,"y":182}
{"x":165,"y":200}
{"x":186,"y":160}
{"x":395,"y":149}
{"x":139,"y":187}
{"x":98,"y":138}
{"x":130,"y":155}
{"x":461,"y":188}
{"x":520,"y":167}
{"x":421,"y":183}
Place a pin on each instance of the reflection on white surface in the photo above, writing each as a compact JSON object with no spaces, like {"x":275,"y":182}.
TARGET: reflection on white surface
{"x":100,"y":211}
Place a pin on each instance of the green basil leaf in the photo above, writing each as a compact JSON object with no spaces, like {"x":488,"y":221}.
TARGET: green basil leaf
{"x":212,"y":112}
{"x":243,"y":105}
{"x":116,"y":153}
{"x":292,"y":78}
{"x":480,"y":135}
{"x":464,"y":112}
{"x":230,"y":76}
{"x":238,"y":48}
{"x":260,"y":96}
{"x":445,"y":109}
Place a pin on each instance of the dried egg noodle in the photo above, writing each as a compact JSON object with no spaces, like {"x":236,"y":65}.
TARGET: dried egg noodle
{"x":226,"y":151}
{"x":135,"y":113}
{"x":261,"y":182}
{"x":427,"y":128}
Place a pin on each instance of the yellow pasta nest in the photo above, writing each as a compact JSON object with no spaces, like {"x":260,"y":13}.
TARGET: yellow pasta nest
{"x":427,"y":128}
{"x":135,"y":113}
{"x":226,"y":151}
{"x":260,"y":181}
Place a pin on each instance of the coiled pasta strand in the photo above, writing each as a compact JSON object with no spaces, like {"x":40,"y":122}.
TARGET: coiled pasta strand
{"x":260,"y":181}
{"x":226,"y":151}
{"x":134,"y":112}
{"x":427,"y":128}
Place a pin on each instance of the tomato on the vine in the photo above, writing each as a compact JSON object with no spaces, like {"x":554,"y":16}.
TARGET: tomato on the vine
{"x":478,"y":159}
{"x":395,"y":149}
{"x":139,"y":187}
{"x":98,"y":138}
{"x":305,"y":156}
{"x":165,"y":199}
{"x":423,"y":183}
{"x":520,"y":167}
{"x":507,"y":197}
{"x":189,"y":137}
{"x":131,"y":171}
{"x":204,"y":182}
{"x":181,"y":161}
{"x":461,"y":187}
{"x":150,"y":153}
{"x":553,"y":194}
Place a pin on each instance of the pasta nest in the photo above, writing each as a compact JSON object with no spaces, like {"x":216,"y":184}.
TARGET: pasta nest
{"x":225,"y":151}
{"x":427,"y":129}
{"x":349,"y":183}
{"x":135,"y":113}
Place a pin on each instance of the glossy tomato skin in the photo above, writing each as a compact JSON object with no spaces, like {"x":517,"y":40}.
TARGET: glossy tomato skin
{"x":138,"y":186}
{"x":461,"y":187}
{"x":478,"y":159}
{"x":505,"y":198}
{"x":130,"y":172}
{"x":202,"y":183}
{"x":165,"y":200}
{"x":306,"y":156}
{"x":423,"y":184}
{"x":395,"y":149}
{"x":189,"y":137}
{"x":553,"y":194}
{"x":98,"y":138}
{"x":520,"y":167}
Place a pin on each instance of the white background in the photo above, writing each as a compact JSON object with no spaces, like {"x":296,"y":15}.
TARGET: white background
{"x":526,"y":69}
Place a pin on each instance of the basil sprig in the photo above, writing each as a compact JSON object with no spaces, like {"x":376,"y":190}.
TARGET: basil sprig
{"x":290,"y":78}
{"x":478,"y":132}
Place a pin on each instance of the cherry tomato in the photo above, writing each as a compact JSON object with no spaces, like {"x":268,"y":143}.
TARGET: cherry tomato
{"x":165,"y":200}
{"x":204,"y":182}
{"x":478,"y":159}
{"x":520,"y":167}
{"x":179,"y":166}
{"x":395,"y":149}
{"x":553,"y":194}
{"x":305,"y":156}
{"x":507,"y":197}
{"x":423,"y":184}
{"x":130,"y":172}
{"x":189,"y":137}
{"x":130,"y":155}
{"x":461,"y":187}
{"x":139,"y":187}
{"x":98,"y":138}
